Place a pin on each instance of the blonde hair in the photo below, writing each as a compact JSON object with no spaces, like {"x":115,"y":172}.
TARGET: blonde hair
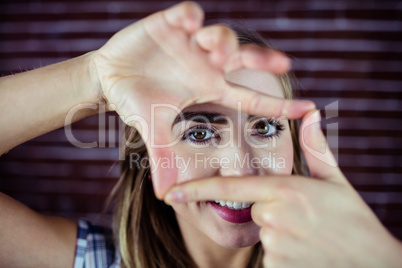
{"x":145,"y":228}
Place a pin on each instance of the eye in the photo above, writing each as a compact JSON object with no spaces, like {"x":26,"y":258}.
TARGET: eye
{"x":264,"y":128}
{"x":200,"y":135}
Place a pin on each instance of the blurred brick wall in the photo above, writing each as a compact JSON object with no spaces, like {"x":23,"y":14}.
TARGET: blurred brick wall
{"x":345,"y":53}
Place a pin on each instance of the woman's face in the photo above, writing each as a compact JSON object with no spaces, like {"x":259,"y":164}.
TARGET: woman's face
{"x":217,"y":141}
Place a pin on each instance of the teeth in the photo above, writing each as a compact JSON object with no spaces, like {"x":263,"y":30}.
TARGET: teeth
{"x":234,"y":205}
{"x":237,"y":205}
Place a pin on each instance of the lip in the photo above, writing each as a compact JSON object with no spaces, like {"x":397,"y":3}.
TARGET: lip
{"x":233,"y":216}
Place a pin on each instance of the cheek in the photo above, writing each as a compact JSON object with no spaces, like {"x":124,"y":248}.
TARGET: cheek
{"x":278,"y":158}
{"x":191,"y":163}
{"x":181,"y":209}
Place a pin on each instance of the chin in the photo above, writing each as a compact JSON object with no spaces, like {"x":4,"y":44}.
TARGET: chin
{"x":238,"y":238}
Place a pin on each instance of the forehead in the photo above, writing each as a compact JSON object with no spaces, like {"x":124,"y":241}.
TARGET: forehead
{"x":259,"y":81}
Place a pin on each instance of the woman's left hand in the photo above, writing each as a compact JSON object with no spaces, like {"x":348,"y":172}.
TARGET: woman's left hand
{"x":305,"y":222}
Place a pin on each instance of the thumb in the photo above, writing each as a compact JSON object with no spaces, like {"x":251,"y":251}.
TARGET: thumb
{"x":320,"y":160}
{"x":163,"y":170}
{"x":154,"y":129}
{"x":161,"y":157}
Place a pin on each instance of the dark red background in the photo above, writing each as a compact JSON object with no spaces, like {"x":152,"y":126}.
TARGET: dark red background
{"x":346,"y":51}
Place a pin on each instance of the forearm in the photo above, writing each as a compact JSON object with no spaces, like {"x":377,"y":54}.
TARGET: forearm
{"x":37,"y":101}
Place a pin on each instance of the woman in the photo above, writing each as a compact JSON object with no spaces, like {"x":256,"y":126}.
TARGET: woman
{"x":171,"y":61}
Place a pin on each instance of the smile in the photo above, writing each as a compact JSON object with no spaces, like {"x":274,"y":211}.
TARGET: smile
{"x":234,"y":205}
{"x":234,"y":212}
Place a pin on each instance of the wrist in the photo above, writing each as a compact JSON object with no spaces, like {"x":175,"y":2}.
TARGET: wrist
{"x":87,"y":80}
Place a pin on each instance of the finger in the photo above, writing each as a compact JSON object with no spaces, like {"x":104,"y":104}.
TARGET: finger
{"x":279,"y":248}
{"x":163,"y":170}
{"x":250,"y":189}
{"x":154,"y":127}
{"x":276,"y":242}
{"x":162,"y":159}
{"x":255,"y":57}
{"x":262,"y":214}
{"x":320,"y":160}
{"x":283,"y":216}
{"x":186,"y":15}
{"x":257,"y":103}
{"x":219,"y":40}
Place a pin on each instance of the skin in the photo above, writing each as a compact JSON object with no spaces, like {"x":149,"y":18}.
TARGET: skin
{"x":182,"y":64}
{"x":127,"y":74}
{"x":131,"y":72}
{"x":305,"y":222}
{"x":218,"y":240}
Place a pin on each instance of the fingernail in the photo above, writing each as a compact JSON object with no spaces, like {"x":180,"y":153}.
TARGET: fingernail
{"x":320,"y":144}
{"x":298,"y":108}
{"x":174,"y":196}
{"x":308,"y":106}
{"x":316,"y":118}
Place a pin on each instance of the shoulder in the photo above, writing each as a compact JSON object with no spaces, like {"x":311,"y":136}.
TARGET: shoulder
{"x":95,"y":246}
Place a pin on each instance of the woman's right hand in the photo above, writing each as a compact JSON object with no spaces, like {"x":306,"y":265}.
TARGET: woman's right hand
{"x":169,"y":59}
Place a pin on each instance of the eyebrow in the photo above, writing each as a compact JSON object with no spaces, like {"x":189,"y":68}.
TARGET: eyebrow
{"x":201,"y":117}
{"x":251,"y":116}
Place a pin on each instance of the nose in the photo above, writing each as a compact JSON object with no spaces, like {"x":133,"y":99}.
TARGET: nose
{"x":238,"y":161}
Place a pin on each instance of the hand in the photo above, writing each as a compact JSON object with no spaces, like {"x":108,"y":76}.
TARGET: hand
{"x":305,"y":222}
{"x":169,"y":58}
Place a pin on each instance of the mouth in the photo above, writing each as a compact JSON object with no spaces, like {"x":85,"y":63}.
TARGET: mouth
{"x":234,"y":205}
{"x":232,"y":211}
